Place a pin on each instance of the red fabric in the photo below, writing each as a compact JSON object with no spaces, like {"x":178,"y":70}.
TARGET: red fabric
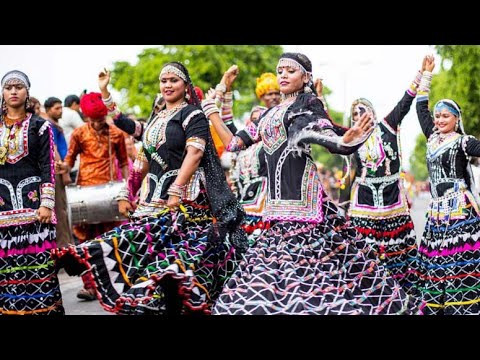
{"x":381,"y":234}
{"x":93,"y":106}
{"x":199,"y":93}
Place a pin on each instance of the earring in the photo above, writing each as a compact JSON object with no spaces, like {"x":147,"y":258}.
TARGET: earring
{"x":307,"y":89}
{"x":187,"y":96}
{"x":456,"y":126}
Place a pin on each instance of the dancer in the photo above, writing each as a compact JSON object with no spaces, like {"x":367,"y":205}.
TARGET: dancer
{"x":449,"y":252}
{"x":378,"y":203}
{"x":310,"y":261}
{"x":184,"y":238}
{"x":249,"y":171}
{"x":28,"y":278}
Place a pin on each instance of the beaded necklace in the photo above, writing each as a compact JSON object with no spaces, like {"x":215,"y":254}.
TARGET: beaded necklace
{"x":10,"y":137}
{"x":291,"y":95}
{"x":155,"y":133}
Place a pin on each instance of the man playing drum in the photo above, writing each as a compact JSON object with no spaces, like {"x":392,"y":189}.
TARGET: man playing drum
{"x":98,"y":144}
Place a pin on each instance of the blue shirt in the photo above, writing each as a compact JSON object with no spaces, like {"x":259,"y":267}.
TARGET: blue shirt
{"x":60,"y":142}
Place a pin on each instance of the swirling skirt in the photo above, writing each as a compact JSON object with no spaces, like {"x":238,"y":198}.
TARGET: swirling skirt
{"x":448,"y":266}
{"x":28,"y":278}
{"x":395,"y":243}
{"x":155,"y":265}
{"x":301,"y":268}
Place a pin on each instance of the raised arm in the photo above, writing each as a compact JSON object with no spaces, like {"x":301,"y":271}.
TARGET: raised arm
{"x":318,"y":83}
{"x":243,"y":139}
{"x":131,"y":127}
{"x":424,"y":116}
{"x":395,"y":117}
{"x":224,"y":97}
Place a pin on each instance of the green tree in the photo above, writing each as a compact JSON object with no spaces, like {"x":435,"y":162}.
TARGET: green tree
{"x":458,"y":79}
{"x":418,"y":164}
{"x":319,"y":153}
{"x":461,"y":82}
{"x":138,"y":84}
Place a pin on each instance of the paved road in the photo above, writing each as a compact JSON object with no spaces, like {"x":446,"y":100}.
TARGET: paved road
{"x":418,"y":211}
{"x":71,"y":285}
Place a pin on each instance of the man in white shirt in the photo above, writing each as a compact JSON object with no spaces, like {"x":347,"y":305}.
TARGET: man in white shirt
{"x":71,"y":119}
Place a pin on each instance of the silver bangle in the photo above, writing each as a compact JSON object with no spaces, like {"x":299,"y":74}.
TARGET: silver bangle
{"x":221,"y":88}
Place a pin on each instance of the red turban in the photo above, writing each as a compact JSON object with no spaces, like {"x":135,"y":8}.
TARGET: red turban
{"x":93,"y":106}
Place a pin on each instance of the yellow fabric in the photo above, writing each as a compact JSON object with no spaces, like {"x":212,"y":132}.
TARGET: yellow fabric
{"x":265,"y":83}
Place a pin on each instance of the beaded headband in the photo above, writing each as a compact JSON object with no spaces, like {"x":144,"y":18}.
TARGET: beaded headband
{"x":15,"y":77}
{"x":283,"y":62}
{"x":170,"y":69}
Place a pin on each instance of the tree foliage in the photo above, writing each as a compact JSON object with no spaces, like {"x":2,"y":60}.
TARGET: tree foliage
{"x":459,"y":80}
{"x":206,"y":64}
{"x":418,"y":162}
{"x":319,"y":153}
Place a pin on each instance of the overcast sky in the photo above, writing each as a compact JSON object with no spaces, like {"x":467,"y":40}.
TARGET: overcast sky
{"x":380,"y":73}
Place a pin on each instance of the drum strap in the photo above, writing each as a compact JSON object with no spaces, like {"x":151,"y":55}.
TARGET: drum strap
{"x":110,"y":155}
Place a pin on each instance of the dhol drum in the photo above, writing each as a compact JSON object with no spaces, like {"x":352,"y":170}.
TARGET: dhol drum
{"x":93,"y":204}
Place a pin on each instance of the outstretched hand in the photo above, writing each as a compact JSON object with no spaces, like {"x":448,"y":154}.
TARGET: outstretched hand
{"x":359,"y":128}
{"x":103,"y":79}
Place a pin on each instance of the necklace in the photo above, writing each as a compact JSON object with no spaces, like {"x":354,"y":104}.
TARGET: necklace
{"x":167,"y":113}
{"x":9,"y":121}
{"x":443,"y":137}
{"x":291,"y":95}
{"x":9,"y":143}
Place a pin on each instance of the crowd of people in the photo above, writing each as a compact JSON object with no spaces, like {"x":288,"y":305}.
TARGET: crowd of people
{"x":266,"y":232}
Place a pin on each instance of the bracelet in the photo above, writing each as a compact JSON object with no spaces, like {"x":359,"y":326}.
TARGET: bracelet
{"x":108,"y":101}
{"x":418,"y":78}
{"x":221,"y":88}
{"x":176,"y":190}
{"x":209,"y":107}
{"x":123,"y":194}
{"x":424,"y":86}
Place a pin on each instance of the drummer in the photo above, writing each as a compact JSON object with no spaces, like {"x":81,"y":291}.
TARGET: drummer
{"x":98,"y":144}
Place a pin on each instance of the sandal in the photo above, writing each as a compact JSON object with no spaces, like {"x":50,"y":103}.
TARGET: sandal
{"x":87,"y":294}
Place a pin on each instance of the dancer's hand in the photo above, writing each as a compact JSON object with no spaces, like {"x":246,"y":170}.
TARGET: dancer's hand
{"x":44,"y":215}
{"x":211,"y":94}
{"x":103,"y":79}
{"x":424,"y":63}
{"x":173,"y":203}
{"x":430,"y":63}
{"x":230,"y":76}
{"x":125,"y":207}
{"x":359,"y":128}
